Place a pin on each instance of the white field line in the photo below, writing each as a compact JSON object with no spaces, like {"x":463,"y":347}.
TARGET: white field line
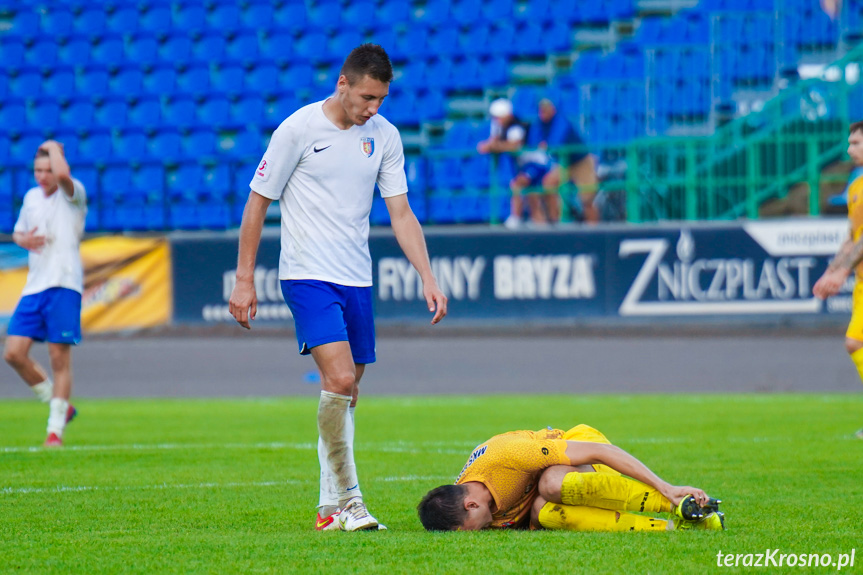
{"x":180,"y":486}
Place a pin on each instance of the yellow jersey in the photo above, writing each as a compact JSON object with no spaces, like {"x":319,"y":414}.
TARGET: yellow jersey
{"x":509,"y":465}
{"x":855,"y":214}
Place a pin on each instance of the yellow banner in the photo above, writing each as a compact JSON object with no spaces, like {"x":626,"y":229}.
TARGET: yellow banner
{"x":127,"y":284}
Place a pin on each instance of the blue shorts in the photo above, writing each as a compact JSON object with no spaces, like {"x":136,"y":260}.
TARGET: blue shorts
{"x":53,"y":315}
{"x":535,"y":172}
{"x":325,"y":312}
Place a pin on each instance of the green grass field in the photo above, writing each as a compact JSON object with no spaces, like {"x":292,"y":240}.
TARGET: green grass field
{"x":229,"y":486}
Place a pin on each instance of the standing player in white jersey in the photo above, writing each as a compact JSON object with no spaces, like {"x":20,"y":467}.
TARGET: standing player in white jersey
{"x":322,"y":165}
{"x":50,"y":227}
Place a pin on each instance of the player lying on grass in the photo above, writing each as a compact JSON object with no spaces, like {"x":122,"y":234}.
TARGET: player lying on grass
{"x":557,"y":479}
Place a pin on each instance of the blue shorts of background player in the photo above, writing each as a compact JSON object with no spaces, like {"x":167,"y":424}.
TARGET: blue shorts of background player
{"x":53,"y":315}
{"x":325,"y":312}
{"x":536,"y":172}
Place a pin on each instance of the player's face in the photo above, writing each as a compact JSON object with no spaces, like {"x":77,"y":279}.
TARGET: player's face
{"x":478,"y":517}
{"x":43,"y":174}
{"x":362,"y":100}
{"x":855,"y":147}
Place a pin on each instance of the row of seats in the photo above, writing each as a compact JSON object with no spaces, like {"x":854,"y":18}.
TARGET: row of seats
{"x":328,"y":15}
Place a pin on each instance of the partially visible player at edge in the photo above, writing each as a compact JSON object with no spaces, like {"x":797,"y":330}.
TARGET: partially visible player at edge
{"x":849,"y":257}
{"x":50,"y":227}
{"x":322,"y":165}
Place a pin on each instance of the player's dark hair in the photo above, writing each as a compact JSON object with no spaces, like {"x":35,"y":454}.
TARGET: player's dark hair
{"x":40,"y":153}
{"x":367,"y":60}
{"x":442,"y":509}
{"x":856,"y":126}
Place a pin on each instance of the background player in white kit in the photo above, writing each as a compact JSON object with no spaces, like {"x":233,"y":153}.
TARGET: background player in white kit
{"x":50,"y":227}
{"x":322,"y":165}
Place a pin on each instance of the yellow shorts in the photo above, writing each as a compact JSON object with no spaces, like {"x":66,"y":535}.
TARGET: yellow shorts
{"x":584,"y":432}
{"x":855,"y":327}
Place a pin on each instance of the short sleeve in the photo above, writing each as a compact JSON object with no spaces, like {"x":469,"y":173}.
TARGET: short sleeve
{"x":22,"y":224}
{"x":79,"y":195}
{"x":391,"y":175}
{"x":515,"y":134}
{"x":279,"y":161}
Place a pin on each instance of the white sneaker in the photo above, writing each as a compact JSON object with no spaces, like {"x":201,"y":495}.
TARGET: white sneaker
{"x":355,"y":517}
{"x":512,"y":222}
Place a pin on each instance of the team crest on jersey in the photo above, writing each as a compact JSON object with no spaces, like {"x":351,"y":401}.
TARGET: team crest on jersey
{"x":367,"y":145}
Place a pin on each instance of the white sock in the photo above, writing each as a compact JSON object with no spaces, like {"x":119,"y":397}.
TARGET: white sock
{"x":44,"y":391}
{"x":332,"y":427}
{"x":329,"y":497}
{"x":57,"y":415}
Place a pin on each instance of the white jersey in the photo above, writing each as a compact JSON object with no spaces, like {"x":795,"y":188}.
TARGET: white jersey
{"x":324,"y":178}
{"x":61,"y":220}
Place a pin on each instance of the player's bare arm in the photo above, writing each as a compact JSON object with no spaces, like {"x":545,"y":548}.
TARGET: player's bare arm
{"x":243,"y":304}
{"x":850,"y":254}
{"x":410,"y":237}
{"x":59,"y":166}
{"x":584,"y":452}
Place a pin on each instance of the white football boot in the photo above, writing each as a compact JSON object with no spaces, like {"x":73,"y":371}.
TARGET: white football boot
{"x":355,"y":517}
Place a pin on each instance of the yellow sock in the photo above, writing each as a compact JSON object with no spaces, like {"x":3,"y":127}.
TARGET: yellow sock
{"x":611,"y":492}
{"x":857,"y":358}
{"x":581,"y":518}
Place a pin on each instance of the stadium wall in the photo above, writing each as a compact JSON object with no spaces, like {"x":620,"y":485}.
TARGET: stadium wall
{"x":760,"y":271}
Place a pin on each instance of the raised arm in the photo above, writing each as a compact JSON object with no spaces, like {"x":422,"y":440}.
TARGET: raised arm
{"x":849,"y":255}
{"x":243,"y":304}
{"x":59,"y":166}
{"x":410,"y":237}
{"x":588,"y":453}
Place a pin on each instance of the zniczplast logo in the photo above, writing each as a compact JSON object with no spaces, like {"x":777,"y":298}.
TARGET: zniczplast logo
{"x":688,"y":285}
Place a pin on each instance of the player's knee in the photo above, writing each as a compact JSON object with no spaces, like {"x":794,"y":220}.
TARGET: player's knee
{"x":549,"y":485}
{"x":14,"y":357}
{"x":852,"y":345}
{"x":538,"y":504}
{"x":342,"y":383}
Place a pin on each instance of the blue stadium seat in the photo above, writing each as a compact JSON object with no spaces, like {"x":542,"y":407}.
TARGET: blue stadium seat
{"x":4,"y":86}
{"x":476,"y":171}
{"x":156,"y":18}
{"x":257,"y":14}
{"x":430,"y":104}
{"x":227,"y":78}
{"x":12,"y":114}
{"x":92,"y":79}
{"x":276,"y":47}
{"x":466,"y":74}
{"x":73,"y":50}
{"x":243,"y":47}
{"x":467,"y":11}
{"x":127,"y":81}
{"x":130,"y":144}
{"x":176,"y":48}
{"x":89,"y":176}
{"x":262,"y":78}
{"x":209,"y":46}
{"x":224,"y":16}
{"x":25,"y":23}
{"x":444,"y":39}
{"x":217,"y":182}
{"x":108,"y":50}
{"x":79,"y":112}
{"x":193,"y":79}
{"x":244,"y":143}
{"x":116,"y":180}
{"x":95,"y":145}
{"x":344,"y":41}
{"x":494,"y":70}
{"x":249,"y":109}
{"x":290,"y":16}
{"x":502,"y":38}
{"x":179,"y":110}
{"x":413,"y":74}
{"x":359,"y":16}
{"x":59,"y":82}
{"x":416,"y":172}
{"x":112,"y":112}
{"x":164,"y":144}
{"x":325,"y":15}
{"x":160,"y":79}
{"x":56,"y":20}
{"x":412,"y":41}
{"x":474,"y":39}
{"x":393,"y":12}
{"x":199,"y":142}
{"x":91,"y":21}
{"x":25,"y":82}
{"x":142,"y":48}
{"x":123,"y":19}
{"x":69,"y":138}
{"x":145,"y":112}
{"x":11,"y":52}
{"x":280,"y":107}
{"x":43,"y":112}
{"x":312,"y":46}
{"x":190,"y":16}
{"x":41,"y":53}
{"x":185,"y":181}
{"x":296,"y":74}
{"x":214,"y":110}
{"x":23,"y":146}
{"x":439,"y":72}
{"x":149,"y":181}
